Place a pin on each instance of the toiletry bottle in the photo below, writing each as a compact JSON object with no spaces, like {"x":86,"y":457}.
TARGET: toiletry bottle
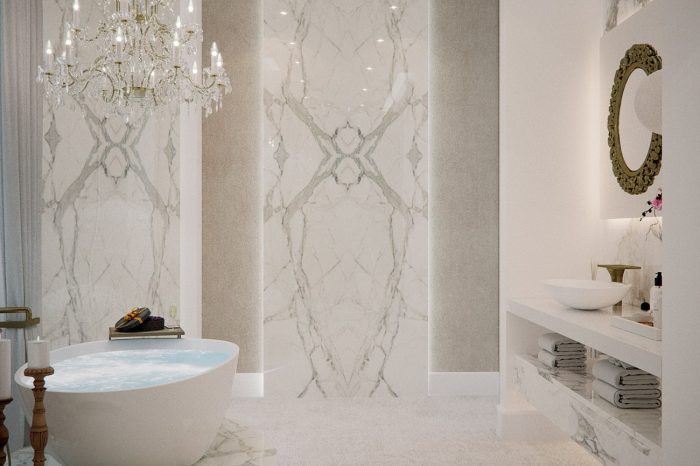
{"x":655,"y":296}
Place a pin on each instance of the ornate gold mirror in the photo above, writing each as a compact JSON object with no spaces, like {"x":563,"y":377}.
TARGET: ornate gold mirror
{"x":633,"y":181}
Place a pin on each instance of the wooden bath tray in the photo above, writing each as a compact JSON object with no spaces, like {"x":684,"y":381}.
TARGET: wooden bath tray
{"x":166,"y":332}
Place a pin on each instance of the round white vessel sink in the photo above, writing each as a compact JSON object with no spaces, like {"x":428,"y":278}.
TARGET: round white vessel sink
{"x":586,"y":295}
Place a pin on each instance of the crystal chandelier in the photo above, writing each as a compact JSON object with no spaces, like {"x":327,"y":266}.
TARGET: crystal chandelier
{"x":134,"y":63}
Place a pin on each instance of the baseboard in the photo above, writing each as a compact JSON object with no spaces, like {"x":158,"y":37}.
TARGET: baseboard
{"x":463,"y":384}
{"x":526,"y":425}
{"x":249,"y":385}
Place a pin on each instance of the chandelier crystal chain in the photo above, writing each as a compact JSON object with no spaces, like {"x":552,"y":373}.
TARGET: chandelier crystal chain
{"x":135,"y":63}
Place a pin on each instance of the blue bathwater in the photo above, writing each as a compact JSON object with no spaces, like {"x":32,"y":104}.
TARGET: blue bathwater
{"x":129,"y":370}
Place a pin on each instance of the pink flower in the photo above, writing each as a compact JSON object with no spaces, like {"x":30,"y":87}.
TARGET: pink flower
{"x":657,"y":203}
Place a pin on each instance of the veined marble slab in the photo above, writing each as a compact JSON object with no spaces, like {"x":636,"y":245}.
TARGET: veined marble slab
{"x":346,"y":198}
{"x":616,"y":436}
{"x":110,"y":221}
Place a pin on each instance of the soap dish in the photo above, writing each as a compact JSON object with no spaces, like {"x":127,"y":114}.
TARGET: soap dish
{"x":635,"y":323}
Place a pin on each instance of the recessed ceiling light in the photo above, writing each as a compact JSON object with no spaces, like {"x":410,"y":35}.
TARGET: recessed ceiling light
{"x":362,"y":105}
{"x":292,"y":43}
{"x":393,"y":7}
{"x":301,"y":81}
{"x":297,"y":62}
{"x":364,"y":89}
{"x":380,"y":40}
{"x":283,"y":13}
{"x":369,"y":68}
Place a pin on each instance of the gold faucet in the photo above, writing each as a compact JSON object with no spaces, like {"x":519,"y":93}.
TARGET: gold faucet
{"x":28,"y":321}
{"x":617,"y":271}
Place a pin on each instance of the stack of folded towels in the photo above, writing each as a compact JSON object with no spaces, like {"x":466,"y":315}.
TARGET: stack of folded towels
{"x":557,"y":351}
{"x":626,"y":386}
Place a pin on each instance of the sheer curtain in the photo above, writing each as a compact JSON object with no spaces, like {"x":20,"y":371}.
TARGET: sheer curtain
{"x":21,"y":111}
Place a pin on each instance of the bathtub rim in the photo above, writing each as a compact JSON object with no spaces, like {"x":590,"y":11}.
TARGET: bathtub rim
{"x":72,"y":351}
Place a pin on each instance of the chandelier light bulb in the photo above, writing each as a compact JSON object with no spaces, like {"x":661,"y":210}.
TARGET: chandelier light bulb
{"x":119,"y":38}
{"x":190,"y":7}
{"x":48,"y":62}
{"x":195,"y":72}
{"x":214,"y":53}
{"x":176,"y":49}
{"x":178,"y":24}
{"x":219,"y":62}
{"x":76,"y":13}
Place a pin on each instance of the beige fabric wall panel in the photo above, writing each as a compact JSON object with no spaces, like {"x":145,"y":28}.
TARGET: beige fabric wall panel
{"x":464,"y":186}
{"x":232,"y":203}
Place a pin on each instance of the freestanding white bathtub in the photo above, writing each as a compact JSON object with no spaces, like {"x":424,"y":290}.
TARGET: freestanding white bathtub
{"x":172,"y":424}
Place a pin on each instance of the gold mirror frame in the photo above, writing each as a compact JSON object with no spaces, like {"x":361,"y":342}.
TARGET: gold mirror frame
{"x":645,"y":57}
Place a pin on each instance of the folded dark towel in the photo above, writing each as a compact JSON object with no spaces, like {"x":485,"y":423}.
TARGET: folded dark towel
{"x":133,"y":319}
{"x":152,"y":323}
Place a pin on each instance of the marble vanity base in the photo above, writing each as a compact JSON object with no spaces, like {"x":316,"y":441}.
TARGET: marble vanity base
{"x":615,"y":436}
{"x":235,"y":445}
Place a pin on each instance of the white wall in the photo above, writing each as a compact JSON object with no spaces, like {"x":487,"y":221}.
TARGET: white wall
{"x":681,"y":345}
{"x":549,"y":145}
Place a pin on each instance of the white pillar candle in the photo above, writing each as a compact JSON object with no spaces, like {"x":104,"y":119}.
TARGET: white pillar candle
{"x":38,"y":354}
{"x":48,"y":62}
{"x":214,"y":55}
{"x":5,"y":369}
{"x":76,"y":14}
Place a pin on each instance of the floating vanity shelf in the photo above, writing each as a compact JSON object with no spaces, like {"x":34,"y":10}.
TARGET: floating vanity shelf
{"x":615,"y":436}
{"x":593,"y":329}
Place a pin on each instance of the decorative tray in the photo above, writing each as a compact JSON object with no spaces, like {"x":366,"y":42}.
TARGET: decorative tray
{"x":166,"y":332}
{"x":639,"y":323}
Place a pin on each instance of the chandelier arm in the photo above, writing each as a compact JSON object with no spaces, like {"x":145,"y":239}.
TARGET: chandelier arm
{"x":198,"y":87}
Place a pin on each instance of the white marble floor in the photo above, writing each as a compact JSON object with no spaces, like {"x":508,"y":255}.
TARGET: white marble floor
{"x":392,"y":432}
{"x":426,"y":431}
{"x":235,"y":445}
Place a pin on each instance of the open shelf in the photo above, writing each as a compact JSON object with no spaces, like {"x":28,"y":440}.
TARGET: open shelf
{"x":616,"y":436}
{"x":593,"y":329}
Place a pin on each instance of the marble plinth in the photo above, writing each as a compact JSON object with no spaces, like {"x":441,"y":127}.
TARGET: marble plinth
{"x":616,"y":436}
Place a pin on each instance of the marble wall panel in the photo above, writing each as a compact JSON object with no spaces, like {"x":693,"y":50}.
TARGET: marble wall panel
{"x":619,"y":10}
{"x":110,"y":217}
{"x":346,"y":196}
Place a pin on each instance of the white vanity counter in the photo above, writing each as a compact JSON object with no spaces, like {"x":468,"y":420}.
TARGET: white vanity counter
{"x":593,"y":329}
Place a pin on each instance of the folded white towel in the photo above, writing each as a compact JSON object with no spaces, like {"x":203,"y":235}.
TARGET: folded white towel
{"x":561,"y":361}
{"x":628,"y":399}
{"x":619,"y":377}
{"x":554,"y":343}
